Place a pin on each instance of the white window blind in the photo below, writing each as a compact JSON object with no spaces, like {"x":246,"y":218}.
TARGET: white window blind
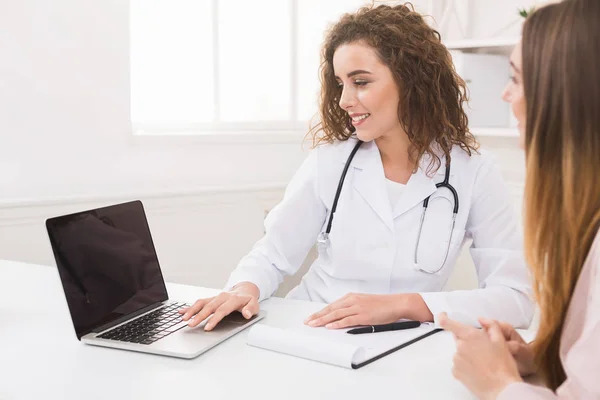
{"x":227,"y":65}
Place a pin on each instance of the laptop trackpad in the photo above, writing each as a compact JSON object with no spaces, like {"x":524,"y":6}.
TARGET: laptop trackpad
{"x":236,"y":318}
{"x":194,"y":341}
{"x":232,"y":321}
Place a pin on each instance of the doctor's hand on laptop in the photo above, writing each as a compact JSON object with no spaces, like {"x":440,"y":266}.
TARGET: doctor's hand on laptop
{"x":242,"y":297}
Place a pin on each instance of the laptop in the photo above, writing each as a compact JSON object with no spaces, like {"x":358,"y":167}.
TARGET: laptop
{"x":115,"y":290}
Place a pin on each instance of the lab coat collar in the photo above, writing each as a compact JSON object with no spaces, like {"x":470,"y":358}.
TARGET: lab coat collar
{"x":371,"y":184}
{"x":418,"y":187}
{"x":369,"y":181}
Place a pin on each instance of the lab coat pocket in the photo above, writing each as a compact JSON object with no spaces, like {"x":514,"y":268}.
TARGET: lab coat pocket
{"x":353,"y":258}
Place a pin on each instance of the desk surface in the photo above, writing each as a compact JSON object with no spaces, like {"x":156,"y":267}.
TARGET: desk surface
{"x":40,"y":356}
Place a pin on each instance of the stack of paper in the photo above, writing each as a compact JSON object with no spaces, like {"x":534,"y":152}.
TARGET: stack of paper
{"x":334,"y":347}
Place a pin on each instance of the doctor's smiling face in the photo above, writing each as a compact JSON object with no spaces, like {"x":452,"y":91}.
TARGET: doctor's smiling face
{"x":369,"y":93}
{"x":386,"y":77}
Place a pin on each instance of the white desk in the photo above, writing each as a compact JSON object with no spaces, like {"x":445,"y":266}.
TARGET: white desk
{"x":40,"y":357}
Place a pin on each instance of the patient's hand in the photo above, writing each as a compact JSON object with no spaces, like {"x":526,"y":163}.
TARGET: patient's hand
{"x":242,"y":298}
{"x":519,"y":348}
{"x":482,"y":362}
{"x":357,"y":309}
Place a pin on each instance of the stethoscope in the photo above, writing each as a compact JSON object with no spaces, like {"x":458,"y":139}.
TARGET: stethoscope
{"x":324,"y":236}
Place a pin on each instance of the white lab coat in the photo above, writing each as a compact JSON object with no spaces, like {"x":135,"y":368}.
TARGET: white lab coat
{"x":372,"y":243}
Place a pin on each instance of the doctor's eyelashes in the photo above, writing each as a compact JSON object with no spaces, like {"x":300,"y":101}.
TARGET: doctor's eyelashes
{"x":358,"y":82}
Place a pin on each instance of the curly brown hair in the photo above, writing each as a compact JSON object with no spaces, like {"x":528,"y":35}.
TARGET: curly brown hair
{"x":431,"y":92}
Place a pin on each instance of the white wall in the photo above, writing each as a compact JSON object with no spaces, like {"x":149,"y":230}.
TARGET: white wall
{"x":64,"y":113}
{"x":65,"y":133}
{"x":64,"y":109}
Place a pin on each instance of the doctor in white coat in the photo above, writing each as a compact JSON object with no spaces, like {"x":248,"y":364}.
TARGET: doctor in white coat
{"x":388,"y":84}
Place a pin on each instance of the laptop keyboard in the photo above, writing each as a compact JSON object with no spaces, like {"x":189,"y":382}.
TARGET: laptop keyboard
{"x":149,"y":328}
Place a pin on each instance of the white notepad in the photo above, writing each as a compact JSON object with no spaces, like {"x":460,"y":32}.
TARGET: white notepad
{"x":335,"y":347}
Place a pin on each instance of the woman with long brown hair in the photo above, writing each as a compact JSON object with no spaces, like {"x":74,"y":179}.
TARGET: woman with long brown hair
{"x":555,"y":95}
{"x":396,"y":165}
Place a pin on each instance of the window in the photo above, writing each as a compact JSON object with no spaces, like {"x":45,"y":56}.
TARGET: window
{"x":202,"y":66}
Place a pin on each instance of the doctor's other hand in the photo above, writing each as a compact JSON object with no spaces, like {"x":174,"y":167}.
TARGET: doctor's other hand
{"x":483,"y":362}
{"x":370,"y":309}
{"x":519,"y":348}
{"x":242,"y":297}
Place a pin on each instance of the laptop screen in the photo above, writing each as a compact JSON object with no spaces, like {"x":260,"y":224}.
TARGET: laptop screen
{"x":107,"y":264}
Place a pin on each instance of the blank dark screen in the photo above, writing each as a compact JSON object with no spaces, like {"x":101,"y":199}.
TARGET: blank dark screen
{"x":107,"y":264}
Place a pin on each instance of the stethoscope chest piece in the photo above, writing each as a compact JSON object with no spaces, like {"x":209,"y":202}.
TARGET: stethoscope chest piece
{"x":323,"y":240}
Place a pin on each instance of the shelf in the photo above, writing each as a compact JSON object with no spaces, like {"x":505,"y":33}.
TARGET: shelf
{"x":495,"y":132}
{"x":502,"y":44}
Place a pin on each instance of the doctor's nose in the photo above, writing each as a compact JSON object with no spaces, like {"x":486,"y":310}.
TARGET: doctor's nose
{"x":347,"y":100}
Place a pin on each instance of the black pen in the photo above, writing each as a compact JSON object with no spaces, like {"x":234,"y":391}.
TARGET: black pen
{"x":395,"y":326}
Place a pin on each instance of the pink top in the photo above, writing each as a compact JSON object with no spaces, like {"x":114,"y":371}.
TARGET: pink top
{"x":580,"y":344}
